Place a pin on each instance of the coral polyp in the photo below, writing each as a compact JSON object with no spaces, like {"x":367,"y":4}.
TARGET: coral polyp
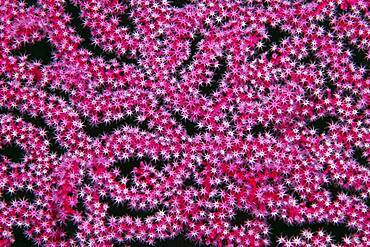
{"x":139,"y":121}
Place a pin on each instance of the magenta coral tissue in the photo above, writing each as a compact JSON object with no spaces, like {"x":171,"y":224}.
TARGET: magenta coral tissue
{"x":184,"y":123}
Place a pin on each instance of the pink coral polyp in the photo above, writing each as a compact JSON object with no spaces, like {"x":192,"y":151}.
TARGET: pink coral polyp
{"x":185,"y":114}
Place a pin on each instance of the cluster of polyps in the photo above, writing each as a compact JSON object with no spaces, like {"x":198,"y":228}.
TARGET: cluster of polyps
{"x":256,"y":101}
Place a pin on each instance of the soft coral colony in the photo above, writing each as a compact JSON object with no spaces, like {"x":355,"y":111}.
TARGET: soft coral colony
{"x":274,"y":92}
